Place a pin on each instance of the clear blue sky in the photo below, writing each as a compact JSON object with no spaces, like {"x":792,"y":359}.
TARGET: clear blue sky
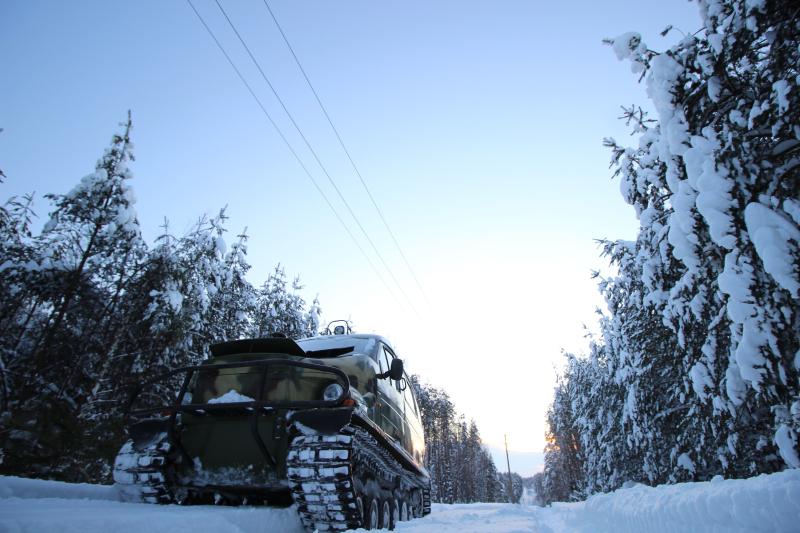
{"x":477,"y":125}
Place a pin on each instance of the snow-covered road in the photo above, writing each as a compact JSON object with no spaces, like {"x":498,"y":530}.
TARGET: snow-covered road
{"x":766,"y":503}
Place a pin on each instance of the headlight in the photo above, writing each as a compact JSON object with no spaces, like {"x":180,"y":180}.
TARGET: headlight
{"x":332,"y":392}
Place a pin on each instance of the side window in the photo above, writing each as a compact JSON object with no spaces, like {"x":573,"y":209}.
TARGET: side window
{"x":384,"y":359}
{"x":411,"y":403}
{"x":388,"y":356}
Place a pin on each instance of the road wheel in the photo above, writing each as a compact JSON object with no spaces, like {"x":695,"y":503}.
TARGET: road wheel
{"x":415,"y":505}
{"x":402,"y":510}
{"x":386,"y":515}
{"x":395,"y":517}
{"x":360,"y":507}
{"x":372,"y":513}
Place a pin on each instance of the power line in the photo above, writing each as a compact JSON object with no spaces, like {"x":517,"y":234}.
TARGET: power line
{"x":316,"y":157}
{"x":346,"y":151}
{"x":291,"y":149}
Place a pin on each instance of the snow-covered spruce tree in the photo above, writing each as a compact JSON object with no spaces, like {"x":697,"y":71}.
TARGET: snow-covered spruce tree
{"x":279,"y":310}
{"x":703,"y":332}
{"x":669,"y":422}
{"x":189,"y":292}
{"x":156,"y":335}
{"x":728,"y":139}
{"x":160,"y":316}
{"x":623,"y":400}
{"x":161,"y":313}
{"x":470,"y":463}
{"x":234,"y":299}
{"x":70,"y":287}
{"x":17,"y":309}
{"x":167,"y":310}
{"x":437,"y":413}
{"x":517,"y":486}
{"x":591,"y":407}
{"x":86,"y":311}
{"x":487,"y":480}
{"x":198,"y":293}
{"x":564,"y":477}
{"x":537,"y":483}
{"x":312,"y":318}
{"x":474,"y":490}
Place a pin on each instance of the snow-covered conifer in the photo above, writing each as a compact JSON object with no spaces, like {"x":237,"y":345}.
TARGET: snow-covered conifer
{"x":87,"y":311}
{"x":702,"y":333}
{"x":727,"y":137}
{"x":73,"y":276}
{"x":281,"y":310}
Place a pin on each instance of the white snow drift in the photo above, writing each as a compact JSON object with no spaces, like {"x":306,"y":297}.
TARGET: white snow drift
{"x":764,"y":503}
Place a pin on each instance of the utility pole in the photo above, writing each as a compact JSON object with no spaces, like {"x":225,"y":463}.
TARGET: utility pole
{"x":510,"y":487}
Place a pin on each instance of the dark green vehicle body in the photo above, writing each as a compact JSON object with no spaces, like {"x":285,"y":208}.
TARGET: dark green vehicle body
{"x":231,"y":425}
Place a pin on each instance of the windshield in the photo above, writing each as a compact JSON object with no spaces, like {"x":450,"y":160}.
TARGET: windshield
{"x":364,"y":345}
{"x":281,"y":381}
{"x":241,"y":384}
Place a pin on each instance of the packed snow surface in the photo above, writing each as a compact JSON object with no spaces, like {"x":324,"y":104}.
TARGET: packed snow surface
{"x":764,"y":503}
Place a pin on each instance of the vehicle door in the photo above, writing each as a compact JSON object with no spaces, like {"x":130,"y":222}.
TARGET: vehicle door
{"x":414,"y":438}
{"x":390,"y":400}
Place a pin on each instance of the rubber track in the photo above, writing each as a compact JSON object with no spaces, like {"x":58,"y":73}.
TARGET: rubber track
{"x":322,"y":470}
{"x":426,"y":501}
{"x":140,"y":474}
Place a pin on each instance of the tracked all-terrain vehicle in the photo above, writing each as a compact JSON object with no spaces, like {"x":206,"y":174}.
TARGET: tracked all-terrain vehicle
{"x":329,"y":423}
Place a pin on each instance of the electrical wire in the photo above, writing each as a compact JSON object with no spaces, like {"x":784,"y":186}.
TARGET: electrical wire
{"x":316,"y":157}
{"x":292,"y":150}
{"x":346,"y":151}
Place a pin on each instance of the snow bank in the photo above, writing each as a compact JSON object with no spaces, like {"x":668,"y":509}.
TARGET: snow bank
{"x":18,"y":487}
{"x":93,"y":516}
{"x":764,"y":503}
{"x":39,"y":506}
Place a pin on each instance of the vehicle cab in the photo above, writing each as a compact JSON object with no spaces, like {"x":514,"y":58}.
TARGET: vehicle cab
{"x":391,"y":404}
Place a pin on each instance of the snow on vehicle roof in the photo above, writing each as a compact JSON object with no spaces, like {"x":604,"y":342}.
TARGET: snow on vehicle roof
{"x":361,"y":343}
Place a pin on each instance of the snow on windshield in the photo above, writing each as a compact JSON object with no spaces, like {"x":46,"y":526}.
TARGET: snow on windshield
{"x":332,"y":342}
{"x":231,"y":396}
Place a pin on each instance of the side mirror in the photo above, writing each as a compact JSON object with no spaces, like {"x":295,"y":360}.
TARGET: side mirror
{"x":396,"y":370}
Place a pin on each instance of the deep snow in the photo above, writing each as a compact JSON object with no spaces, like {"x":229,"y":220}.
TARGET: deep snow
{"x":764,"y":503}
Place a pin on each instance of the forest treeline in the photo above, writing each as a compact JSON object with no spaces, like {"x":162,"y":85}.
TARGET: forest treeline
{"x":461,"y":468}
{"x":696,"y":370}
{"x":88,"y":308}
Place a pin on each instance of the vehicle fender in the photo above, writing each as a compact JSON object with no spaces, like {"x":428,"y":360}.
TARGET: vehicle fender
{"x":326,"y":421}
